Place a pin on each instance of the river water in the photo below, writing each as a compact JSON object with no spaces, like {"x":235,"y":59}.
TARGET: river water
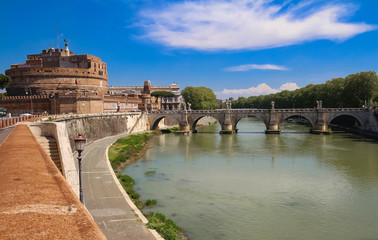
{"x":255,"y":186}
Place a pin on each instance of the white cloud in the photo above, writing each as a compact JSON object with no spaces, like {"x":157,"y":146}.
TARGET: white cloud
{"x":261,"y":89}
{"x":248,"y":24}
{"x":247,"y":67}
{"x":289,"y":86}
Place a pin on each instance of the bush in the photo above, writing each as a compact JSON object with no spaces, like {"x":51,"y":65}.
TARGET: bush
{"x":166,"y":227}
{"x":151,"y":202}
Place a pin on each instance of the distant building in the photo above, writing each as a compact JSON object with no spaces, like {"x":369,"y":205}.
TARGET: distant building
{"x":173,"y":88}
{"x":57,"y":81}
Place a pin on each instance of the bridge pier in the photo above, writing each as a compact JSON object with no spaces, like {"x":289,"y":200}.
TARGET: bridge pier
{"x":183,"y":123}
{"x":320,"y":129}
{"x":184,"y":128}
{"x":226,"y":129}
{"x":321,"y":126}
{"x":273,"y":129}
{"x":226,"y":125}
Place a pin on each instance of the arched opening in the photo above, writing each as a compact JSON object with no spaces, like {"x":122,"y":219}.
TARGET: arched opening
{"x":3,"y":112}
{"x":250,"y":124}
{"x":296,"y":123}
{"x":206,"y":124}
{"x":345,"y":122}
{"x":165,"y":124}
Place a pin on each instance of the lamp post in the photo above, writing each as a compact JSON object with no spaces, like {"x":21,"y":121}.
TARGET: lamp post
{"x":79,"y":145}
{"x":31,"y":99}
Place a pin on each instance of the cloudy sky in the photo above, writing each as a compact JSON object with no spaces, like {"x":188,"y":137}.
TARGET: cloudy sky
{"x":235,"y":47}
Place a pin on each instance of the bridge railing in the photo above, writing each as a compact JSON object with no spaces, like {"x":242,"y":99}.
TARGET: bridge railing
{"x":7,"y":122}
{"x":249,"y":110}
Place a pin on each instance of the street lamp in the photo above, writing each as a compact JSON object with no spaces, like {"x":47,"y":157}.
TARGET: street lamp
{"x":53,"y":97}
{"x":79,"y":145}
{"x":31,"y":99}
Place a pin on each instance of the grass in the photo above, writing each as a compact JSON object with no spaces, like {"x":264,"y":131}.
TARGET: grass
{"x":151,"y":202}
{"x":128,"y":184}
{"x":129,"y":148}
{"x":165,"y":227}
{"x":169,"y":130}
{"x":174,"y":129}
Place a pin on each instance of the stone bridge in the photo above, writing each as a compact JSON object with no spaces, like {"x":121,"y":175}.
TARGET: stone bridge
{"x":319,"y":118}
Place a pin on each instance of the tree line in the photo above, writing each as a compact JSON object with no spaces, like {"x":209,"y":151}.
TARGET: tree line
{"x":355,"y":90}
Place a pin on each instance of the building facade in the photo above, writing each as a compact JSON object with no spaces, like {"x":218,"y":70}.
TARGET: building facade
{"x":57,"y":81}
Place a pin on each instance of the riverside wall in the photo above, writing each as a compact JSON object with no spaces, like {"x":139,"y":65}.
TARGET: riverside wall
{"x":97,"y":126}
{"x":92,"y":126}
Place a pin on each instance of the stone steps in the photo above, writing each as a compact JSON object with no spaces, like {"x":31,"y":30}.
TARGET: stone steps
{"x":51,"y":148}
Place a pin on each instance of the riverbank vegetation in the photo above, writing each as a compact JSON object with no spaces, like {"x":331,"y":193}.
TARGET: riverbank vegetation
{"x":122,"y":152}
{"x":126,"y":149}
{"x":355,"y":90}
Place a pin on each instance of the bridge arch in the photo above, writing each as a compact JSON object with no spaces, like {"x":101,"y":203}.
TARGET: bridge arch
{"x":350,"y":115}
{"x":197,"y":118}
{"x":155,"y":122}
{"x":311,"y":121}
{"x":248,"y":115}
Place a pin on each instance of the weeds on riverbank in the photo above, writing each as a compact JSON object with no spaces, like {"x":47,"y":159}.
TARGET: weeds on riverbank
{"x":127,"y":148}
{"x":130,"y":148}
{"x":166,"y":227}
{"x":128,"y":184}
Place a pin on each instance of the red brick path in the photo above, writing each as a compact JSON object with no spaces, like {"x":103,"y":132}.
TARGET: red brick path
{"x":36,"y":202}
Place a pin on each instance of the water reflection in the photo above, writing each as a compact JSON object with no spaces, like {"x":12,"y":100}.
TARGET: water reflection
{"x":255,"y":186}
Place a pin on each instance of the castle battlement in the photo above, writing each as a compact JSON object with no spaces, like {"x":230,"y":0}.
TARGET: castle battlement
{"x":28,"y":98}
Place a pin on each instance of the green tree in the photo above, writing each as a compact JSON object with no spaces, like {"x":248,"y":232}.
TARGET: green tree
{"x":353,"y":91}
{"x":359,"y":88}
{"x":4,"y":81}
{"x":200,"y":97}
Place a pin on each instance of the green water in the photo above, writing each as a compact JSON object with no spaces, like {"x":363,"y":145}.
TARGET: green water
{"x":255,"y":186}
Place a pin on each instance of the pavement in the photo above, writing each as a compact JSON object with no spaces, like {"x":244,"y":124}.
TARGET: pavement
{"x":36,"y":202}
{"x":4,"y":132}
{"x":104,"y":199}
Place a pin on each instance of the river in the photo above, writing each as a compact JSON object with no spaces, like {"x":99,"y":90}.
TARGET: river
{"x":255,"y":186}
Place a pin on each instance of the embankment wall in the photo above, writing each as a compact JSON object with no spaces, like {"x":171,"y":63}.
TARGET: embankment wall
{"x":92,"y":127}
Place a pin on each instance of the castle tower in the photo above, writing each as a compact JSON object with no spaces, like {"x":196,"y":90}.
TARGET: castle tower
{"x":147,"y":87}
{"x":58,"y":71}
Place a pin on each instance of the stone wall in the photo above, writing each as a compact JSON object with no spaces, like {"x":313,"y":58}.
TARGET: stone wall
{"x":46,"y":80}
{"x":94,"y":127}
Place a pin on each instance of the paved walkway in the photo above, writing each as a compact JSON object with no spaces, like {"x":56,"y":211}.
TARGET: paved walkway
{"x":36,"y":201}
{"x":4,"y":132}
{"x":104,"y":200}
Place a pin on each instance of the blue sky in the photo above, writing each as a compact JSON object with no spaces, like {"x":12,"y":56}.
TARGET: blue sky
{"x":237,"y":48}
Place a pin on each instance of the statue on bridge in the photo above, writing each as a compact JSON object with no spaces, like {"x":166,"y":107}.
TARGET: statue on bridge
{"x":319,"y":104}
{"x":184,"y":106}
{"x":272,"y":104}
{"x":228,"y":105}
{"x":189,"y":105}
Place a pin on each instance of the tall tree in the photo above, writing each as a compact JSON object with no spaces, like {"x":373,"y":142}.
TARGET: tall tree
{"x":4,"y":81}
{"x":200,"y":97}
{"x":353,"y":91}
{"x":359,"y":88}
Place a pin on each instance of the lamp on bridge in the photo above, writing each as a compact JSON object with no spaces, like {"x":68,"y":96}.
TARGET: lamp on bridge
{"x":79,"y":145}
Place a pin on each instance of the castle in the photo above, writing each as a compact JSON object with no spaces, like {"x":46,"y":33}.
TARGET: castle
{"x":57,"y":81}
